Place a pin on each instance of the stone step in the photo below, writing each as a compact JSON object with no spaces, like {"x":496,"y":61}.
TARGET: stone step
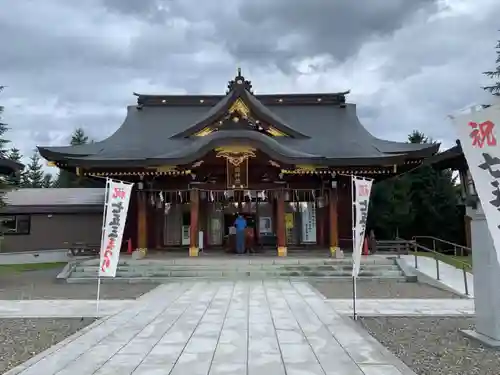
{"x":298,"y":268}
{"x":131,"y":280}
{"x":235,"y":273}
{"x":244,"y":260}
{"x":240,"y":268}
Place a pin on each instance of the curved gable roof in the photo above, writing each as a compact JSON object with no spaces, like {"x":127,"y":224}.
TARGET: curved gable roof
{"x":255,"y":106}
{"x":325,"y":132}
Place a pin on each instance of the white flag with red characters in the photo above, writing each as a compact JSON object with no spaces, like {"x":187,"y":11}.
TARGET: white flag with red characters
{"x":115,"y":214}
{"x":478,"y":134}
{"x":361,"y":188}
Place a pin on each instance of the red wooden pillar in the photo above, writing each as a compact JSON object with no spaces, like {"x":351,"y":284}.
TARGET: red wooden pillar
{"x":142,"y":224}
{"x":333,"y":221}
{"x":193,"y":229}
{"x":320,"y":226}
{"x":159,"y":224}
{"x":280,"y":224}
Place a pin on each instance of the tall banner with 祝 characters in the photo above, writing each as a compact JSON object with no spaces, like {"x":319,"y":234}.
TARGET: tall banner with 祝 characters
{"x":115,"y":214}
{"x":361,"y":188}
{"x":478,"y":132}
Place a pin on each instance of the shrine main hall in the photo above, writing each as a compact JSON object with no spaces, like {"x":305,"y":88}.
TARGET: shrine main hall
{"x":283,"y":161}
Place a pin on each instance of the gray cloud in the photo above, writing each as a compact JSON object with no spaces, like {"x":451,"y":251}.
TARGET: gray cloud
{"x":408,"y":63}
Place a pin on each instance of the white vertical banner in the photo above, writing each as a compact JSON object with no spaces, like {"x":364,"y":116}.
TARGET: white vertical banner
{"x":115,"y":214}
{"x":477,"y":131}
{"x":360,"y":200}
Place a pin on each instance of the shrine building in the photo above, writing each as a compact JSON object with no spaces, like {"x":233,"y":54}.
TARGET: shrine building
{"x":283,"y":161}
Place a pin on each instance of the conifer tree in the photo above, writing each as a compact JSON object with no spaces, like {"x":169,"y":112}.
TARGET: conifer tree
{"x":494,"y":75}
{"x":79,"y":137}
{"x":47,"y":180}
{"x":67,"y":179}
{"x":15,"y":155}
{"x":3,"y":129}
{"x":34,"y":172}
{"x":4,"y":185}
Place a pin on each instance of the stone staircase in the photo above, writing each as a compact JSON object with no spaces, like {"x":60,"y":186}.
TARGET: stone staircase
{"x":236,"y":268}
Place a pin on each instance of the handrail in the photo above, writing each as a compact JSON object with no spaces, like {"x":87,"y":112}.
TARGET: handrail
{"x":455,"y":245}
{"x":464,"y":265}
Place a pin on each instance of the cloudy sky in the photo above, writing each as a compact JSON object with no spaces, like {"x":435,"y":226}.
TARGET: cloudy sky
{"x":408,"y":63}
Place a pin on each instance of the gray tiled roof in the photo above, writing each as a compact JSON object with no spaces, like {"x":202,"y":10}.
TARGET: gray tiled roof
{"x":331,"y":133}
{"x":8,"y":166}
{"x":55,"y":197}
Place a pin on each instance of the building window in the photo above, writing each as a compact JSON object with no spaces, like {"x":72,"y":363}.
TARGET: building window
{"x":15,"y":224}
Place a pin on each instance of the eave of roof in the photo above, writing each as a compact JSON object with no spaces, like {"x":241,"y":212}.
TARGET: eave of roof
{"x":196,"y":149}
{"x":8,"y":167}
{"x":452,"y":158}
{"x":54,"y":209}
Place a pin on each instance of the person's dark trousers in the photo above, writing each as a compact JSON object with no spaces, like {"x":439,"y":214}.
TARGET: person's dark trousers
{"x":240,"y":241}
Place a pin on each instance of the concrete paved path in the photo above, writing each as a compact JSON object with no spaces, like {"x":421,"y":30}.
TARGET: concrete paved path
{"x":449,"y":276}
{"x":405,"y":307}
{"x":255,"y":328}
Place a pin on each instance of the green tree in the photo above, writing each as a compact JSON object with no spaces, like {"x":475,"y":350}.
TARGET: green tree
{"x":3,"y":129}
{"x":433,"y":199}
{"x":494,"y":75}
{"x":79,"y":138}
{"x":4,"y":184}
{"x":47,"y":181}
{"x":417,"y":137}
{"x":420,"y":202}
{"x":66,"y":179}
{"x":15,"y":155}
{"x":34,"y":175}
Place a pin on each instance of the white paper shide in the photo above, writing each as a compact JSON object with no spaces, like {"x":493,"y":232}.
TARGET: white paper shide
{"x":477,"y":131}
{"x":361,"y":200}
{"x":116,"y":207}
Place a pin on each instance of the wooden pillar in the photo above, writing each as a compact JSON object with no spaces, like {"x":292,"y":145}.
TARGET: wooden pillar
{"x":159,"y":224}
{"x":280,"y":224}
{"x":320,"y":224}
{"x":333,"y":221}
{"x":193,"y":229}
{"x":142,"y":225}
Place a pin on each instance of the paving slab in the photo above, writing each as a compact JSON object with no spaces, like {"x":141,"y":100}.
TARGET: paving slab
{"x":244,"y":327}
{"x":404,"y":307}
{"x":62,"y":308}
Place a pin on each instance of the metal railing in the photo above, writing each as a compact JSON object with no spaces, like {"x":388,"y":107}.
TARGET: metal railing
{"x":414,"y":249}
{"x":436,"y":241}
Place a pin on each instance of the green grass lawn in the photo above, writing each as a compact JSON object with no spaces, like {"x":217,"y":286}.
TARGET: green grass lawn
{"x":452,"y":260}
{"x":6,"y":268}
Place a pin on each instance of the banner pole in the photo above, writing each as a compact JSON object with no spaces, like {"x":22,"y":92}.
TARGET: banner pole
{"x":354,"y":245}
{"x":354,"y":293}
{"x":98,"y":294}
{"x":106,"y":191}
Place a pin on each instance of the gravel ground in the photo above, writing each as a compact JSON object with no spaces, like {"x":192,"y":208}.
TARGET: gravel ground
{"x":21,"y":339}
{"x":379,"y":289}
{"x":434,"y":346}
{"x":42,"y":284}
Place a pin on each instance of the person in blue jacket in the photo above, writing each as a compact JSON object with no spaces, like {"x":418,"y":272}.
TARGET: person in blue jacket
{"x":240,"y":224}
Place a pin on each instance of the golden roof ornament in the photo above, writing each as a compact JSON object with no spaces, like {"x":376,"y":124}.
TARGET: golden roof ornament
{"x":239,"y":82}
